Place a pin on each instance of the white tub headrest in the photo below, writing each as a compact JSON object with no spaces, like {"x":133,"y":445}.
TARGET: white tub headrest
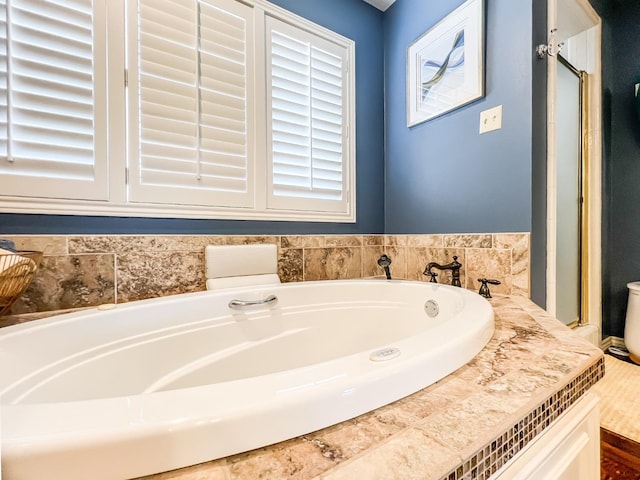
{"x":240,"y":265}
{"x":242,"y":281}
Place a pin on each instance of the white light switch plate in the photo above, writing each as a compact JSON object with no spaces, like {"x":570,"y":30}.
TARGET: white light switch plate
{"x":491,"y":119}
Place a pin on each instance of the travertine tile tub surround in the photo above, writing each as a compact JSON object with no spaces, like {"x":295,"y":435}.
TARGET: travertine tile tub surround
{"x":464,"y":427}
{"x":80,"y":271}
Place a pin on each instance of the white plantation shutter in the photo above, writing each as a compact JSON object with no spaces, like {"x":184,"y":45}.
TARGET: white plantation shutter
{"x":53,"y":99}
{"x":234,"y":109}
{"x":191,"y":138}
{"x":307,"y":87}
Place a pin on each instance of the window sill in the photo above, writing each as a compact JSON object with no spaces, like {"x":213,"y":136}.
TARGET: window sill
{"x":92,"y":208}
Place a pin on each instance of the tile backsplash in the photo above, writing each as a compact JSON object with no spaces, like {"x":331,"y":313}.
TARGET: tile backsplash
{"x":83,"y":270}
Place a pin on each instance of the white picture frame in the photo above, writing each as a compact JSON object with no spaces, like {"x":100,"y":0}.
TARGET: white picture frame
{"x":445,"y":66}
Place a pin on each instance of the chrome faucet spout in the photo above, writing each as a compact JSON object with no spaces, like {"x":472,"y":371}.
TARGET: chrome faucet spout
{"x":453,"y":266}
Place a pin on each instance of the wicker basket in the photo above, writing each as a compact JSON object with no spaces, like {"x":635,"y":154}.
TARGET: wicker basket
{"x":16,"y":272}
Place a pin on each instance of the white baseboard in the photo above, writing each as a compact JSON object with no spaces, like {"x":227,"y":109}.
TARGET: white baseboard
{"x":612,"y":342}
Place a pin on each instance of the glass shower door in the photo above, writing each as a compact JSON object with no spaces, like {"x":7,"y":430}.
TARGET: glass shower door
{"x":569,"y":193}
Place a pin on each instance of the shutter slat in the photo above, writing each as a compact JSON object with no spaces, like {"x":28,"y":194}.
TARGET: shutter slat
{"x":164,"y":164}
{"x":167,"y":152}
{"x":231,"y":115}
{"x":183,"y":180}
{"x":51,"y":168}
{"x":57,"y":109}
{"x":59,"y":25}
{"x":47,"y":151}
{"x":151,"y":110}
{"x":222,"y":146}
{"x":282,"y":115}
{"x":325,"y":116}
{"x":291,"y":127}
{"x":289,"y":105}
{"x":329,"y":98}
{"x":328,"y":166}
{"x":328,"y":130}
{"x":216,"y":19}
{"x":217,"y":67}
{"x":178,"y":98}
{"x":172,"y":64}
{"x":287,"y":83}
{"x":213,"y":100}
{"x":322,"y":101}
{"x":225,"y":160}
{"x":211,"y":84}
{"x":225,"y":123}
{"x":56,"y":138}
{"x":295,"y":55}
{"x":224,"y":172}
{"x":289,"y":159}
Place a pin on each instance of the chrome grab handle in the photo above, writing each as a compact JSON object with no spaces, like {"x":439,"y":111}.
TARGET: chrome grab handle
{"x":249,"y":303}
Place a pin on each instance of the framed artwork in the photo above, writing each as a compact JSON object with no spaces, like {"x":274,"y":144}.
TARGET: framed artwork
{"x":445,"y":66}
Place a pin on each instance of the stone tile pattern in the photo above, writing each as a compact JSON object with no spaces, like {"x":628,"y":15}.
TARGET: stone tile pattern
{"x":466,"y":426}
{"x":80,"y":271}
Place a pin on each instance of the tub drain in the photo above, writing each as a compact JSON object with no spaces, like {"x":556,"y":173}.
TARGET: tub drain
{"x":384,"y":354}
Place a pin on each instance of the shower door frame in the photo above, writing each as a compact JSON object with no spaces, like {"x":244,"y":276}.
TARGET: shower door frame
{"x":582,"y":77}
{"x":591,"y":256}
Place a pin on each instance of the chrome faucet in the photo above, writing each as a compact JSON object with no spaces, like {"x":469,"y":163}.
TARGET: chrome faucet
{"x":453,"y":266}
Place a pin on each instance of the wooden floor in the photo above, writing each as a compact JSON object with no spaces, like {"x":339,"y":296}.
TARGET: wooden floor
{"x":620,"y":457}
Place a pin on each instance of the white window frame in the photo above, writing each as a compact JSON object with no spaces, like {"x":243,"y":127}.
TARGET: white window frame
{"x":117,"y":203}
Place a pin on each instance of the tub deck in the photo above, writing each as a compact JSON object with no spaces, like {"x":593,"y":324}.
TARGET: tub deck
{"x":459,"y":424}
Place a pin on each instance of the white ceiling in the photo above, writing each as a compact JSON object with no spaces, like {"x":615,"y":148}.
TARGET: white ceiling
{"x":380,"y":4}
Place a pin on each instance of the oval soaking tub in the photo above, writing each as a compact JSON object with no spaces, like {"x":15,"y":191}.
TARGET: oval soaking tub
{"x":149,"y":386}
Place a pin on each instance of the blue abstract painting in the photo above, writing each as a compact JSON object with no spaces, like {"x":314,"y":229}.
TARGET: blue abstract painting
{"x":445,"y":66}
{"x":436,"y":71}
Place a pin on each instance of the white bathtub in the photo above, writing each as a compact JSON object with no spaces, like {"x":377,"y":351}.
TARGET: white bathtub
{"x":159,"y":384}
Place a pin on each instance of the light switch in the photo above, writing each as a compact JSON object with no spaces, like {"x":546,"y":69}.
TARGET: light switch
{"x":491,"y":119}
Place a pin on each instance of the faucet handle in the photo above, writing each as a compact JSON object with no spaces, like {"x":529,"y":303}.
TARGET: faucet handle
{"x":433,"y":277}
{"x":384,"y":260}
{"x":484,"y":288}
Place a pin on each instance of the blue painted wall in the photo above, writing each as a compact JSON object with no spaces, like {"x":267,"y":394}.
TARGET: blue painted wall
{"x":538,"y":245}
{"x":621,"y":158}
{"x":353,"y":19}
{"x":442,"y":176}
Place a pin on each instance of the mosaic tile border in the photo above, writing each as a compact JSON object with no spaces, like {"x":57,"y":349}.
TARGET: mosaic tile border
{"x":496,"y":453}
